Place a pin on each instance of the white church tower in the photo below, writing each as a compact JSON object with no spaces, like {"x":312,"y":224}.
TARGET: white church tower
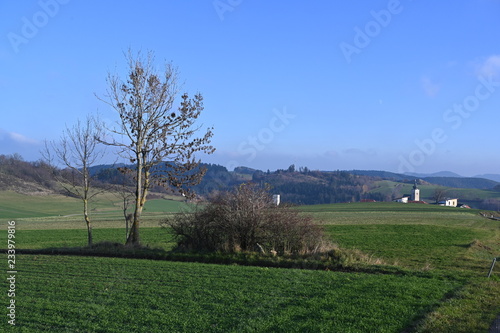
{"x":415,"y":193}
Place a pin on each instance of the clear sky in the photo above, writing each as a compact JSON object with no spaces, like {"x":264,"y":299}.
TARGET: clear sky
{"x":386,"y":85}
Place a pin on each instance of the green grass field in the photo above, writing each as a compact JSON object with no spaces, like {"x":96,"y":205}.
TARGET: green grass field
{"x":445,"y":252}
{"x":85,"y":294}
{"x":40,"y":239}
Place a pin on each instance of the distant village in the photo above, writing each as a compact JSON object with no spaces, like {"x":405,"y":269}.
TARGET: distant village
{"x":414,"y":197}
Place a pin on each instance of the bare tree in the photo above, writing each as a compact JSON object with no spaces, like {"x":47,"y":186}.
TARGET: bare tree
{"x":126,"y":193}
{"x":396,"y":192}
{"x":439,"y":194}
{"x":158,"y":139}
{"x":77,"y":151}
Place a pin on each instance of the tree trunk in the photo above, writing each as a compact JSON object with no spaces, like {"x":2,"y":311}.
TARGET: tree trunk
{"x":125,"y":207}
{"x":87,"y":221}
{"x":89,"y":231}
{"x":133,"y":236}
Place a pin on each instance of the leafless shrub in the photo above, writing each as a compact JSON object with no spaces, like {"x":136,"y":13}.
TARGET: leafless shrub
{"x":490,"y":204}
{"x":246,"y":219}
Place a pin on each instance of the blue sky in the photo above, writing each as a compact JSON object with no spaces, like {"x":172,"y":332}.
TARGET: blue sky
{"x":387,"y":85}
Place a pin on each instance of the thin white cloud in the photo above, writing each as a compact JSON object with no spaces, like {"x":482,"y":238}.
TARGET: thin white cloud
{"x":15,"y":143}
{"x":359,"y":152}
{"x":331,"y":154}
{"x":431,"y":88}
{"x":14,"y":137}
{"x":489,"y":66}
{"x":21,"y":138}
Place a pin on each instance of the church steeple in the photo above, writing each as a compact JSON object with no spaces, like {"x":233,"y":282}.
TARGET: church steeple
{"x":415,"y":193}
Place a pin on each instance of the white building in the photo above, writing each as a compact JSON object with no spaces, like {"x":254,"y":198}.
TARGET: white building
{"x":276,"y":199}
{"x":403,"y":199}
{"x":415,"y":193}
{"x":449,"y":202}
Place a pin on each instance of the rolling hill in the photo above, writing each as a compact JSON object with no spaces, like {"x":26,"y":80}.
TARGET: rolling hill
{"x":444,"y":178}
{"x":494,"y":177}
{"x":299,"y":187}
{"x":463,"y":182}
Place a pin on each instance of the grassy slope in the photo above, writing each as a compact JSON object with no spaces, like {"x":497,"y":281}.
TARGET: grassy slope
{"x":427,"y":191}
{"x":14,"y":205}
{"x":56,"y":211}
{"x":414,"y":235}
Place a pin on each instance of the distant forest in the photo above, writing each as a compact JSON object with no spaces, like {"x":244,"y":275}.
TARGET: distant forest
{"x":300,"y":186}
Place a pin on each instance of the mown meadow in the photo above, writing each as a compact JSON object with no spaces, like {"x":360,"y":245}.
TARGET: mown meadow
{"x":442,"y":256}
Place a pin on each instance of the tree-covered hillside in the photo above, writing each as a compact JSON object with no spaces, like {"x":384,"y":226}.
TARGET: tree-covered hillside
{"x":295,"y":185}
